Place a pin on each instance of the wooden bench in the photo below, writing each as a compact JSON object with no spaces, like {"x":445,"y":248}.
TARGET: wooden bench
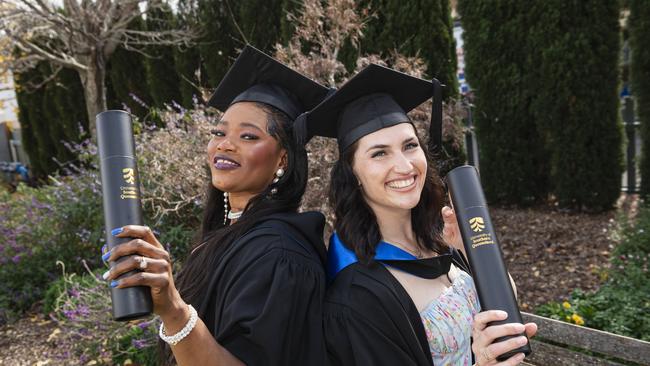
{"x":558,"y":343}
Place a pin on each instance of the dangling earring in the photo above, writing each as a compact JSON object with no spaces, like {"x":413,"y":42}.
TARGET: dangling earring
{"x":278,"y":174}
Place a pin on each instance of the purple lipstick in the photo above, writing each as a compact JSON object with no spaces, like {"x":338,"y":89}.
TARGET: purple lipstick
{"x":224,"y":163}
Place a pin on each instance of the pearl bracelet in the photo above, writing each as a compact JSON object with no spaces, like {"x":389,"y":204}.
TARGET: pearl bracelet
{"x":174,"y":339}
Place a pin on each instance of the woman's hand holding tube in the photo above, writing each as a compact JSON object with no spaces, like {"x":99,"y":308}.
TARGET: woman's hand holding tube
{"x":152,"y":265}
{"x":146,"y":254}
{"x":451,"y":231}
{"x":486,"y":352}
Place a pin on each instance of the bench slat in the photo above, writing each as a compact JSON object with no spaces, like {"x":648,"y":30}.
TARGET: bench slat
{"x":545,"y":354}
{"x":622,"y":347}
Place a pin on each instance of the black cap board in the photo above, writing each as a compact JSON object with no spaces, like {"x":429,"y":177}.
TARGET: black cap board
{"x":257,"y":77}
{"x":377,"y":97}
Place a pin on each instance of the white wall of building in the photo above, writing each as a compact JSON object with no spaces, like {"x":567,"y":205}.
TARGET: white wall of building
{"x":8,"y":102}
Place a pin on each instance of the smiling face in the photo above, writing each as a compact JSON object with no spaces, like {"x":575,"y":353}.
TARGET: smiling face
{"x":242,"y":155}
{"x":391,"y":167}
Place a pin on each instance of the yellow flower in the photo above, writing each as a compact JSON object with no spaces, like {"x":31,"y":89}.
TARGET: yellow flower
{"x":566,"y":305}
{"x":577,"y":319}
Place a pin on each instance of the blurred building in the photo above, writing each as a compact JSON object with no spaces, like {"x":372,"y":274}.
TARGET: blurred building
{"x":13,"y":160}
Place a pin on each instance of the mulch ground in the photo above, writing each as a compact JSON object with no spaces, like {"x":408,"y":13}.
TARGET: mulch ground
{"x":32,"y":340}
{"x":548,"y":253}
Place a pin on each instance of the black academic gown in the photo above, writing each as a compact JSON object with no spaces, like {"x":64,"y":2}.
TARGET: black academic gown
{"x":369,"y":319}
{"x":264,"y":302}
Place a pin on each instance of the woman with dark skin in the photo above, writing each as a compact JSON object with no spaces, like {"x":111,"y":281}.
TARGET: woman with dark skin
{"x":257,"y":279}
{"x":399,"y":290}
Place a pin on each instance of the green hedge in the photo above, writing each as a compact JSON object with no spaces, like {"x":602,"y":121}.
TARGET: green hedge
{"x":545,"y":76}
{"x":576,"y":99}
{"x":422,"y":27}
{"x":50,"y":115}
{"x":639,"y":27}
{"x":162,"y":79}
{"x":513,"y":160}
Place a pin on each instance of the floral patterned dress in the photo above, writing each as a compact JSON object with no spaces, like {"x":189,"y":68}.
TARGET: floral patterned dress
{"x":448,"y":322}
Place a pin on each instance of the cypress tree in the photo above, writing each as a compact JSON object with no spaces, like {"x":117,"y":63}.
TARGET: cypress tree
{"x":421,"y":27}
{"x":37,"y":141}
{"x":228,"y":25}
{"x":128,"y":78}
{"x":27,"y":103}
{"x":162,"y":79}
{"x":514,"y":167}
{"x":287,"y":28}
{"x":217,"y":46}
{"x":187,"y":60}
{"x":639,"y":26}
{"x":186,"y":63}
{"x":70,"y":104}
{"x":576,"y":99}
{"x":49,"y":116}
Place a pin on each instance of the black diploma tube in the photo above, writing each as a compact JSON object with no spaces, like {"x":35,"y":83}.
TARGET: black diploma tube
{"x":483,"y":250}
{"x":121,"y":195}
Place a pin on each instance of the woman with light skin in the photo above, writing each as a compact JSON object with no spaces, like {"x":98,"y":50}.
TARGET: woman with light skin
{"x":251,"y":292}
{"x":399,"y":290}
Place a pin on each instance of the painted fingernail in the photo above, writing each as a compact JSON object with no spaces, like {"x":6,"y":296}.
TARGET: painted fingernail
{"x":106,"y":255}
{"x":106,"y":274}
{"x":116,"y":231}
{"x":114,"y":283}
{"x":104,"y":248}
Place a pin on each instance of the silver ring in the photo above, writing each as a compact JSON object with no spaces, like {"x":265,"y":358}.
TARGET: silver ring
{"x":143,"y":263}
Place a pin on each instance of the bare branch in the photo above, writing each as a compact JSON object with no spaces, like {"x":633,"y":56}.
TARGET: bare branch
{"x":82,"y":35}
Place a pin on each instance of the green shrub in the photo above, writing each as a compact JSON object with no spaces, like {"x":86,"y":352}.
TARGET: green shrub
{"x":64,"y":221}
{"x":82,"y":307}
{"x":40,"y":226}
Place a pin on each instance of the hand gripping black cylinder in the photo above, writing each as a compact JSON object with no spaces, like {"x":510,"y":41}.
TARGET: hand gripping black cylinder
{"x":121,"y":196}
{"x":483,"y":250}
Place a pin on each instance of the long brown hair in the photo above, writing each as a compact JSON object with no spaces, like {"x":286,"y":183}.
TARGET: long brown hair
{"x":356,"y":223}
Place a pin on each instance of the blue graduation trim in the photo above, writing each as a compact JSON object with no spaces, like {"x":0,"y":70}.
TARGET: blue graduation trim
{"x":339,"y":256}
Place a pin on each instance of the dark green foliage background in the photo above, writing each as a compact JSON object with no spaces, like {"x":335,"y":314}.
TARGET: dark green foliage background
{"x":50,"y":115}
{"x":171,"y":74}
{"x":417,"y":27}
{"x":499,"y":68}
{"x":639,"y":28}
{"x":576,"y":104}
{"x":545,"y":75}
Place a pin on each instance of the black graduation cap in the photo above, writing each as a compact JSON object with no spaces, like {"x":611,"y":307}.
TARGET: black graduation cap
{"x":257,"y":77}
{"x":377,"y":97}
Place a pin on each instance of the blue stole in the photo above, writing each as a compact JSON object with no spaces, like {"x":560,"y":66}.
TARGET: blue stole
{"x":339,"y":257}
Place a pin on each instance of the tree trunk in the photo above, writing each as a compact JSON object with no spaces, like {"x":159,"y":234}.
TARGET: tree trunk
{"x":94,"y":91}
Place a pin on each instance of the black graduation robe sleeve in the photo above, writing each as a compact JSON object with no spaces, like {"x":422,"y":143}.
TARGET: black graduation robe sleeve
{"x":272,"y":311}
